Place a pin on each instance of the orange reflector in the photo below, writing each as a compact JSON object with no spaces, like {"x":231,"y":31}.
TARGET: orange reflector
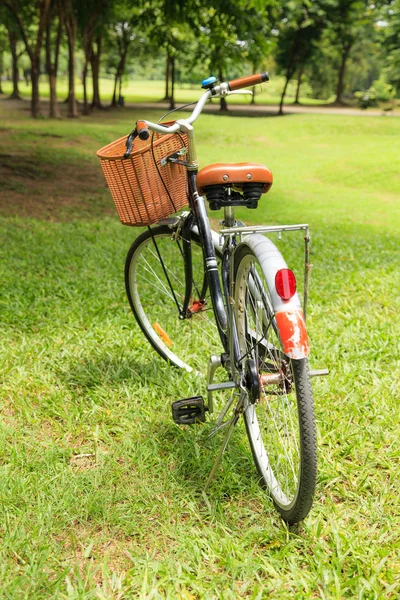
{"x":285,"y":284}
{"x":162,"y":334}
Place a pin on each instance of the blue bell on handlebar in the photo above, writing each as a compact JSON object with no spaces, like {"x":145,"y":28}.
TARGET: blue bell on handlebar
{"x":209,"y":83}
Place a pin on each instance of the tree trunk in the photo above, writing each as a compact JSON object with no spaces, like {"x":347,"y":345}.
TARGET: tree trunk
{"x":54,"y":111}
{"x":283,"y":95}
{"x":84,"y":82}
{"x":167,"y":77}
{"x":1,"y":70}
{"x":72,"y":107}
{"x":12,"y":36}
{"x":114,"y":98}
{"x":299,"y":77}
{"x":52,"y":66}
{"x":223,"y":104}
{"x":172,"y":99}
{"x":35,"y":105}
{"x":95,"y":63}
{"x":255,"y":70}
{"x":120,"y":91}
{"x":33,"y":50}
{"x":69,"y":20}
{"x":118,"y":76}
{"x":87,"y":48}
{"x":339,"y":89}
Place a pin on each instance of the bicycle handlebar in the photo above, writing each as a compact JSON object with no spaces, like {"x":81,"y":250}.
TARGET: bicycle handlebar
{"x":223,"y":89}
{"x":242,"y":82}
{"x":143,"y":130}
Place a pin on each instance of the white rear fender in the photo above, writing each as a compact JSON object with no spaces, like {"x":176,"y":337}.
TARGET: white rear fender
{"x":289,"y":314}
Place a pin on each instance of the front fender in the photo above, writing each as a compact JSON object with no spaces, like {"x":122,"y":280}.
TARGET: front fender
{"x":288,"y":313}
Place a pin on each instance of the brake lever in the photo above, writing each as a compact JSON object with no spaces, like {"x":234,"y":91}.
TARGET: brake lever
{"x":129,"y":142}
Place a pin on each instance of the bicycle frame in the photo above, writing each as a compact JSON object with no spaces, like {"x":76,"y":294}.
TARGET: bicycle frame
{"x":256,"y":311}
{"x":289,"y":313}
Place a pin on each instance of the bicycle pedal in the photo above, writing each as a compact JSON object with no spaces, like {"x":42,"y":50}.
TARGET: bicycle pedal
{"x":189,"y":411}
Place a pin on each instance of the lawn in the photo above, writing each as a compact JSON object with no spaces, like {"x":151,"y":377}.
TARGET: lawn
{"x":154,"y":91}
{"x":100,"y":493}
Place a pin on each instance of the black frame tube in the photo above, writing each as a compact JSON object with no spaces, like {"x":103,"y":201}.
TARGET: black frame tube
{"x":187,"y":259}
{"x":210,"y":261}
{"x":226,"y":258}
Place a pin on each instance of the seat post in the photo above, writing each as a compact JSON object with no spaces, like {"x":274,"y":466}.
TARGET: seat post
{"x":229,"y":216}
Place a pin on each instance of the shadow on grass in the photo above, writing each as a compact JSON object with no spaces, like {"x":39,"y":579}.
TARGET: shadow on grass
{"x":193,"y":453}
{"x":92,"y":372}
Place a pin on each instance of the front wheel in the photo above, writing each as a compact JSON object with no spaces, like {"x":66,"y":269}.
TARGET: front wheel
{"x":280,"y":421}
{"x":156,"y":286}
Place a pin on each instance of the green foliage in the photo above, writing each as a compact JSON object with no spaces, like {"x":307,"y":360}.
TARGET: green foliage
{"x":231,"y":33}
{"x":348,"y":55}
{"x":336,"y":46}
{"x":392,"y":44}
{"x":322,"y":67}
{"x":380,"y":92}
{"x":301,"y":26}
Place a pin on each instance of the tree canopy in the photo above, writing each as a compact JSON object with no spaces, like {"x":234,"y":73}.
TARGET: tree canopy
{"x":335,"y":47}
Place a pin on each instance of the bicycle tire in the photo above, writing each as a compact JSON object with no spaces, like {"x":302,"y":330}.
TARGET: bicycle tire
{"x":185,"y":343}
{"x":280,"y":424}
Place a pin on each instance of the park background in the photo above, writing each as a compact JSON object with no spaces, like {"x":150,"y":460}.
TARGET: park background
{"x":100,"y":493}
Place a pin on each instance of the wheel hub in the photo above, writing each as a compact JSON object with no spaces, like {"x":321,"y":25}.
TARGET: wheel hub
{"x":252,"y":381}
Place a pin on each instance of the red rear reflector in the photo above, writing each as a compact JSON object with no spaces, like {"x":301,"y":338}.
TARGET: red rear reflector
{"x":285,"y":284}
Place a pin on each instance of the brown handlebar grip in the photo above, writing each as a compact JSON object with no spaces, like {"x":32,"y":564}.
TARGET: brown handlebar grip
{"x":242,"y":82}
{"x":143,"y":130}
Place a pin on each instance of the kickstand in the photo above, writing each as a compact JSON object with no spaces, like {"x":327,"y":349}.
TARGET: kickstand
{"x":227,"y":437}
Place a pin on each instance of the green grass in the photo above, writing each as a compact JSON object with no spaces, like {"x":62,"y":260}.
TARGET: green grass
{"x":100,"y":493}
{"x":154,"y":91}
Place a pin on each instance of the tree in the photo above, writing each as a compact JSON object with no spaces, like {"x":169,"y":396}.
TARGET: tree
{"x":93,"y":18}
{"x":346,"y":27}
{"x":100,"y":25}
{"x":87,"y":16}
{"x":301,"y":27}
{"x":391,"y":44}
{"x":31,"y":18}
{"x":259,"y":46}
{"x":322,"y":67}
{"x":11,"y":31}
{"x":170,"y":28}
{"x":16,"y":54}
{"x":232,"y":33}
{"x":95,"y":57}
{"x":121,"y":35}
{"x":3,"y":46}
{"x":68,"y":17}
{"x":54,"y":19}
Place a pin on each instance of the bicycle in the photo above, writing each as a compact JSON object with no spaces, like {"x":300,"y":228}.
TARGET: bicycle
{"x":230,"y":292}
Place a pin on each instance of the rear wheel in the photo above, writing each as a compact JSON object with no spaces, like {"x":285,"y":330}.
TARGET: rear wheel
{"x":279,"y":419}
{"x":155,"y":284}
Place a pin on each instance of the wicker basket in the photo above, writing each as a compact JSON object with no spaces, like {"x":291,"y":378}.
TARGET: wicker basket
{"x":142,"y":193}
